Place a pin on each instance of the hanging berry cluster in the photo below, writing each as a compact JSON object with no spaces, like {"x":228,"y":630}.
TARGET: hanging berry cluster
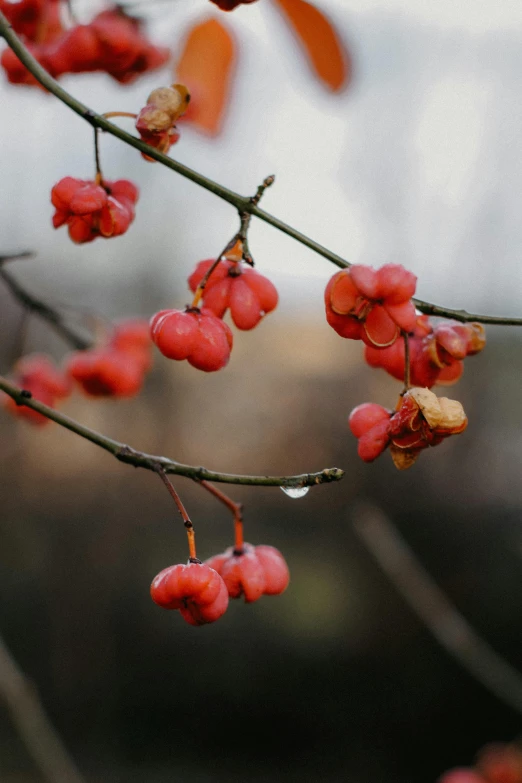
{"x":113,"y":42}
{"x":201,"y":591}
{"x":376,"y":306}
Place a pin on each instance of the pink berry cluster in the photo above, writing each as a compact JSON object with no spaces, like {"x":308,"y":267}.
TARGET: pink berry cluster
{"x":93,"y":209}
{"x":201,"y":591}
{"x":113,"y":42}
{"x":376,"y":306}
{"x":116,"y":367}
{"x":198,"y":334}
{"x":496,"y":763}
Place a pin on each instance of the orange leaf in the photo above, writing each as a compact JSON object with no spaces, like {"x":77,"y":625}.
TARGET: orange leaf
{"x":206,"y":66}
{"x":326,"y":53}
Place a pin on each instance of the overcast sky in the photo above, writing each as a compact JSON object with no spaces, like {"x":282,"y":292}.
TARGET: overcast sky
{"x":418,"y":162}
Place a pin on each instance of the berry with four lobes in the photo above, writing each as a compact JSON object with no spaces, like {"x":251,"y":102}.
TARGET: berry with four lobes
{"x":156,"y":121}
{"x":90,"y":209}
{"x":436,"y":352}
{"x":237,"y":286}
{"x":195,"y":589}
{"x":37,"y":374}
{"x":37,"y":20}
{"x":373,"y":306}
{"x":192,"y":334}
{"x":118,"y":368}
{"x":370,"y":423}
{"x":252,"y":571}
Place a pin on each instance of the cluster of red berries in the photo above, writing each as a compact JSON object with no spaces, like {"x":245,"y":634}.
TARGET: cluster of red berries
{"x":496,"y":763}
{"x":229,"y":5}
{"x":436,"y":352}
{"x":115,"y":369}
{"x":156,"y":122}
{"x":421,"y":419}
{"x":376,"y":306}
{"x":201,"y":590}
{"x":93,"y":209}
{"x":199,"y":334}
{"x":112,"y":42}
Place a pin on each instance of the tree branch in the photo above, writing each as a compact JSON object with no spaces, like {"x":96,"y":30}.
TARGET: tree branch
{"x":140,"y":459}
{"x":431,"y":605}
{"x":34,"y":726}
{"x":44,"y":311}
{"x":241,"y":203}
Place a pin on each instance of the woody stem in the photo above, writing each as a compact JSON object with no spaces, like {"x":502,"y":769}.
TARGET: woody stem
{"x":182,"y":510}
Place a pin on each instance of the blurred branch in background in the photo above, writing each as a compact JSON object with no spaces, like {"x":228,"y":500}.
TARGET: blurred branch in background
{"x":34,"y":727}
{"x":41,"y":309}
{"x":430,"y":604}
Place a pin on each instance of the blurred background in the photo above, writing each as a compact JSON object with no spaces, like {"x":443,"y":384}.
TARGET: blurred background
{"x":418,"y":162}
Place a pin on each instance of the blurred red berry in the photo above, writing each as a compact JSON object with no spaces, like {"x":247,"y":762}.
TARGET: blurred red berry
{"x":373,"y":306}
{"x":252,"y":571}
{"x":500,"y":763}
{"x":193,"y":334}
{"x":461,"y":775}
{"x":37,"y":374}
{"x":90,"y":210}
{"x":234,"y":285}
{"x":195,"y":589}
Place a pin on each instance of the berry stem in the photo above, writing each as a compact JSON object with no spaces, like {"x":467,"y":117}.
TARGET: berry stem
{"x":235,"y":508}
{"x":181,"y":508}
{"x":407,"y":362}
{"x":99,"y":176}
{"x":198,"y":293}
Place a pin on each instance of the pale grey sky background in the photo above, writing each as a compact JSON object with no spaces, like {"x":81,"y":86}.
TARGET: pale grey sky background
{"x":418,"y":162}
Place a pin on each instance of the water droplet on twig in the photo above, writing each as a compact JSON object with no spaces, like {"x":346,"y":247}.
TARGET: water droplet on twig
{"x":295,"y":492}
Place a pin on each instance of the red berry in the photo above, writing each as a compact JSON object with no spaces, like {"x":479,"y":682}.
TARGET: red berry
{"x":374,"y":306}
{"x":370,"y":423}
{"x":107,"y":372}
{"x":500,"y":763}
{"x":196,"y":335}
{"x":252,"y":572}
{"x":234,"y":285}
{"x":195,"y":589}
{"x":92,"y":210}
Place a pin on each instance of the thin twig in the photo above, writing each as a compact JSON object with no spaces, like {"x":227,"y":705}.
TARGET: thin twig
{"x":140,"y":459}
{"x":44,"y":311}
{"x":34,"y":726}
{"x":431,"y":605}
{"x":189,"y":527}
{"x":242,"y":203}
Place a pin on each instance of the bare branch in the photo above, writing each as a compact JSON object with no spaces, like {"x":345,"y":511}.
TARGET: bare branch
{"x":140,"y":459}
{"x":44,"y":311}
{"x":431,"y":605}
